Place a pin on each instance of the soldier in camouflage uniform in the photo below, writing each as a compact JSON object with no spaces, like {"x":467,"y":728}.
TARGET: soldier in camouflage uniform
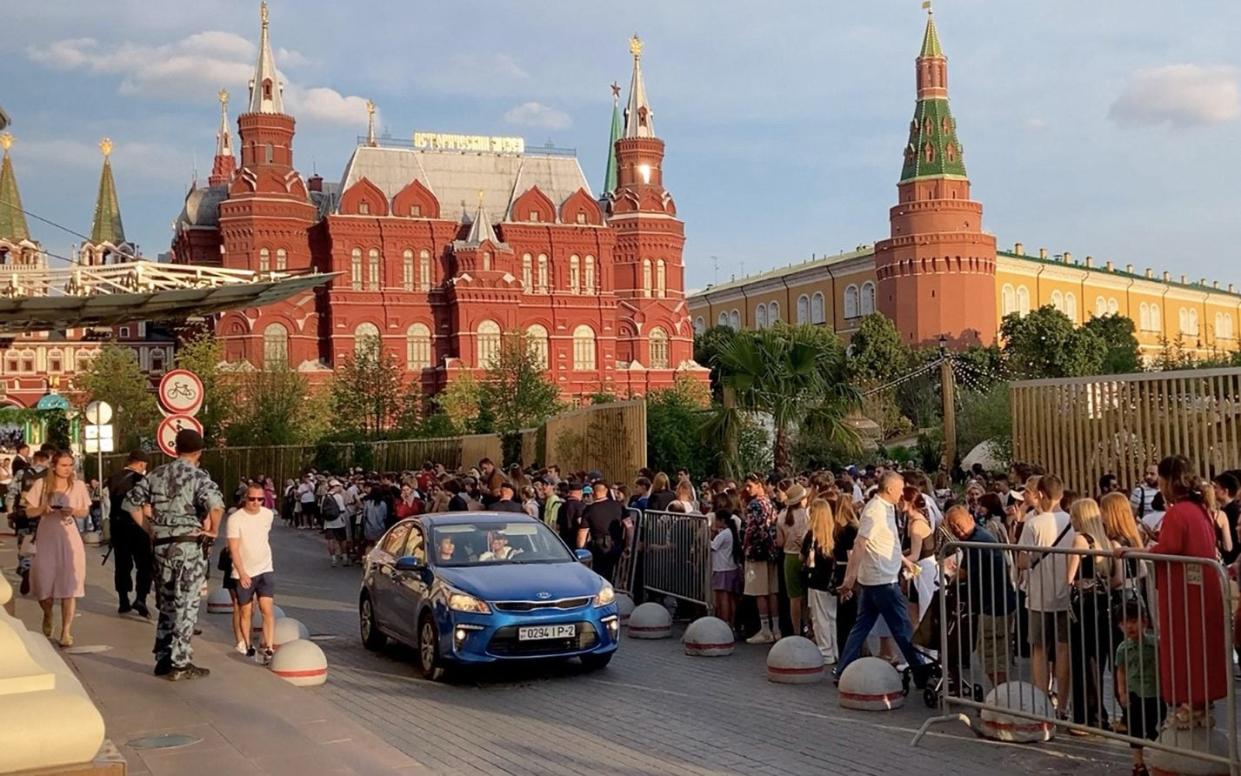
{"x":183,"y":507}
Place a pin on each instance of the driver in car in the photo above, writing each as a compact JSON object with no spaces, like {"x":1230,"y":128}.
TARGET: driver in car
{"x":499,"y":548}
{"x":446,"y":549}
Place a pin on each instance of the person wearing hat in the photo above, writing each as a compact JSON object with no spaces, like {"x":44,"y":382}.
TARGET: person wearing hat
{"x":131,"y":544}
{"x":332,"y":510}
{"x":602,"y":530}
{"x":569,"y":519}
{"x":508,"y":499}
{"x":183,"y":507}
{"x":790,"y":534}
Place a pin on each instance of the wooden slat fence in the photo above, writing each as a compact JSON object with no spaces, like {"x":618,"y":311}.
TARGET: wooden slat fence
{"x":1083,"y":428}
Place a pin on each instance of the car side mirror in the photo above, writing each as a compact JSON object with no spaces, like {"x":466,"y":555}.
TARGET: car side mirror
{"x":409,"y":563}
{"x":584,"y":556}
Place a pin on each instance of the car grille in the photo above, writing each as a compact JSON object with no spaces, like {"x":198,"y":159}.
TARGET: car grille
{"x":530,"y":606}
{"x":505,"y":642}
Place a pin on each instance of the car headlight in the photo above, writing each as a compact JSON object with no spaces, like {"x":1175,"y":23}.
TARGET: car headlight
{"x":463,"y":602}
{"x":605,"y":596}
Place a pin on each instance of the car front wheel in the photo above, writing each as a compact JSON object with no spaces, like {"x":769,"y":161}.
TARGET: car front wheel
{"x":595,"y":662}
{"x":372,"y":637}
{"x":429,"y":662}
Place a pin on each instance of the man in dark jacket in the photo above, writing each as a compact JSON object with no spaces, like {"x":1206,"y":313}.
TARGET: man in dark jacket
{"x":130,"y":542}
{"x":569,"y":520}
{"x":508,"y":500}
{"x":602,"y":530}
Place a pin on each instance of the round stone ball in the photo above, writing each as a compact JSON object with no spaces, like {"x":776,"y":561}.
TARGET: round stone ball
{"x":289,"y":629}
{"x":1021,"y":696}
{"x":219,"y":602}
{"x":1195,"y":739}
{"x":871,"y":684}
{"x":300,"y":662}
{"x":624,"y":607}
{"x":256,"y":616}
{"x":795,"y":660}
{"x":650,"y":621}
{"x":708,"y":637}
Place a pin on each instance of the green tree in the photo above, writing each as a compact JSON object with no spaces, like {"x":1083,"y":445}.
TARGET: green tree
{"x":412,"y":414}
{"x":274,"y":407}
{"x":515,"y":391}
{"x":114,"y":376}
{"x":1122,"y":355}
{"x":674,"y":420}
{"x":366,"y":389}
{"x":876,"y":353}
{"x":1046,"y":344}
{"x":203,"y":355}
{"x":707,"y":347}
{"x":460,"y":403}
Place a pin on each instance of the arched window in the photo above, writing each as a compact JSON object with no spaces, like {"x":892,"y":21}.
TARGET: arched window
{"x":275,"y":345}
{"x":583,"y":348}
{"x":264,"y":260}
{"x":661,"y":279}
{"x":488,"y":343}
{"x":56,"y":361}
{"x":574,"y":274}
{"x":486,"y":261}
{"x":418,"y":346}
{"x":734,"y":320}
{"x":542,"y":284}
{"x":372,"y":261}
{"x":1070,"y":305}
{"x":407,"y":270}
{"x":1193,"y":321}
{"x":589,"y":278}
{"x":1144,"y":316}
{"x":1100,"y":307}
{"x":699,"y":325}
{"x":773,"y":313}
{"x":868,"y":298}
{"x":1057,"y":300}
{"x":803,"y":309}
{"x":527,"y":273}
{"x":424,"y":270}
{"x":1008,"y":300}
{"x":1113,"y":307}
{"x":760,"y":316}
{"x":646,"y":278}
{"x":1023,"y":301}
{"x":355,"y":269}
{"x":366,"y":340}
{"x":282,"y":259}
{"x":536,"y":339}
{"x":722,"y":320}
{"x":851,"y":301}
{"x":659,"y":348}
{"x":818,"y":312}
{"x":1156,"y":318}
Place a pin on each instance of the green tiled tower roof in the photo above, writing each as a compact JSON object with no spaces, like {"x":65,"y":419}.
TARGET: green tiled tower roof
{"x":930,"y":40}
{"x":609,"y":180}
{"x":12,"y":218}
{"x":107,"y":226}
{"x":933,"y":149}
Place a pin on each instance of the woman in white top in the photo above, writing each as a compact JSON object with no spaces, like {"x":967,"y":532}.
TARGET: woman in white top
{"x":790,"y":532}
{"x":726,"y":557}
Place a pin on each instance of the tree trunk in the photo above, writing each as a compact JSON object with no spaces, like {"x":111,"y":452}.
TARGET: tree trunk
{"x":780,"y":452}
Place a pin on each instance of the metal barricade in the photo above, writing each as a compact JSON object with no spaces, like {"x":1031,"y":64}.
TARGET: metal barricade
{"x":626,"y":568}
{"x":675,"y":552}
{"x":1119,"y":647}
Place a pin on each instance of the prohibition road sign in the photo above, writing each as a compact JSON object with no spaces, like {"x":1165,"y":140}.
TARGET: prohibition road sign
{"x":181,"y":392}
{"x":166,"y":434}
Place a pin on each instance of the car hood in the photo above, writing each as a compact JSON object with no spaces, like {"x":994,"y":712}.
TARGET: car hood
{"x":523,"y":582}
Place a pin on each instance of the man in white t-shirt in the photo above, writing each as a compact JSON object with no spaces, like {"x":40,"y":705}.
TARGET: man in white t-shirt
{"x":248,"y":530}
{"x":1047,"y":587}
{"x":874,"y":570}
{"x":308,"y":509}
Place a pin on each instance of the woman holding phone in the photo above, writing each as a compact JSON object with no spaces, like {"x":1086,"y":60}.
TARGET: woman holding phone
{"x":58,"y":573}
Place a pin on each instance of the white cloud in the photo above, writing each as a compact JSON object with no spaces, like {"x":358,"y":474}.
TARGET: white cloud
{"x":193,"y":68}
{"x":475,"y":74}
{"x":131,"y":160}
{"x":1179,"y":95}
{"x":536,"y":114}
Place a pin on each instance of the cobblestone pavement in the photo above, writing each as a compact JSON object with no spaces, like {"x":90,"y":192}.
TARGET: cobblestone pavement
{"x":652,"y":711}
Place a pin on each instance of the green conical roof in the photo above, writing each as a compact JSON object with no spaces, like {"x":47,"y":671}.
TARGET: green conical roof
{"x":609,"y":180}
{"x":933,"y":129}
{"x":930,"y":41}
{"x":12,"y":219}
{"x":107,"y":227}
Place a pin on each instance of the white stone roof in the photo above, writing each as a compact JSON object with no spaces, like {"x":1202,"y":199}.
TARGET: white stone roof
{"x":456,"y":177}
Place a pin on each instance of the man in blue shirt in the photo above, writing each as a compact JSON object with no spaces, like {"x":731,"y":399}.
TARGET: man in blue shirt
{"x":984,"y":592}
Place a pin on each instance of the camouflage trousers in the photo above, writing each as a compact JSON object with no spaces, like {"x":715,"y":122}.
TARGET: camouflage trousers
{"x":180,"y":570}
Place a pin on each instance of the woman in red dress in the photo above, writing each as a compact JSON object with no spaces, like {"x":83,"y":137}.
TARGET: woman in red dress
{"x":1193,"y":664}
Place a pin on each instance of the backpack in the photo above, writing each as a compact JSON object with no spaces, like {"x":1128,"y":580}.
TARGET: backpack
{"x":330,"y":508}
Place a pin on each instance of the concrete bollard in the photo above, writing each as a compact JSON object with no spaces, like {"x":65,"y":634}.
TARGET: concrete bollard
{"x":624,"y":607}
{"x":289,"y":629}
{"x":256,"y":617}
{"x":219,"y":602}
{"x":1022,"y":696}
{"x":92,"y":538}
{"x":1197,"y":739}
{"x":871,"y":684}
{"x":708,"y":637}
{"x":650,"y":621}
{"x":794,"y":660}
{"x":301,"y":663}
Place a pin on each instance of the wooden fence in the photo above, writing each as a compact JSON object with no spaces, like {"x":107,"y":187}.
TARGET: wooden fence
{"x":1083,"y":428}
{"x":607,"y":437}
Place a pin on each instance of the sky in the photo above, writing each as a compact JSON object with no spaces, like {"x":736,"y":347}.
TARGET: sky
{"x":1105,"y":128}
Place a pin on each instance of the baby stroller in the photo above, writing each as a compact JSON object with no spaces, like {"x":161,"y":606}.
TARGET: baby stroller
{"x":960,"y":644}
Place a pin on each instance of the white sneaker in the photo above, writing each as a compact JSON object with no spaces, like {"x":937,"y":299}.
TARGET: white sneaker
{"x":333,"y":561}
{"x":241,"y":647}
{"x":762,"y":637}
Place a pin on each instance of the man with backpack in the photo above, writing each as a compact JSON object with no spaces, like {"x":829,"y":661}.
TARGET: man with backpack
{"x":332,"y":511}
{"x":759,"y":544}
{"x":602,"y":530}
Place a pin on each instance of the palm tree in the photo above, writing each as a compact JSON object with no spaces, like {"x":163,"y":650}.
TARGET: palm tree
{"x":796,"y":375}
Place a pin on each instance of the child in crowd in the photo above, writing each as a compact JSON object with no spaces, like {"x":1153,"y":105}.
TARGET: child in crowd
{"x":1137,"y":679}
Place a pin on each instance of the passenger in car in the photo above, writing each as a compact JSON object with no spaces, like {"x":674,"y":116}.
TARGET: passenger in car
{"x":499,"y":548}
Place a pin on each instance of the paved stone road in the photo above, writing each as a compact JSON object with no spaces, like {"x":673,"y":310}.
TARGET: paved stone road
{"x":653,"y":711}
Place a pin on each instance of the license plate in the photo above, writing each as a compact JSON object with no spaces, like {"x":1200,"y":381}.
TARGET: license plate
{"x":539,"y":632}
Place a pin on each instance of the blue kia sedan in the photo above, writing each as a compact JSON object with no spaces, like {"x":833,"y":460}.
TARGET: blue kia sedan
{"x":468,"y":588}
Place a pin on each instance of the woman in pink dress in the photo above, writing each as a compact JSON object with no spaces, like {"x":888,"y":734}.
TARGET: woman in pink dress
{"x":1193,"y":671}
{"x":59,"y":569}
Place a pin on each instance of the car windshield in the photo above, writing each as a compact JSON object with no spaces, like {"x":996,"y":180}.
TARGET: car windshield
{"x":485,"y":543}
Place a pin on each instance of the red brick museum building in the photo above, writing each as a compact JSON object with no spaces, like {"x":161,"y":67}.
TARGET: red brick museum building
{"x":444,"y":245}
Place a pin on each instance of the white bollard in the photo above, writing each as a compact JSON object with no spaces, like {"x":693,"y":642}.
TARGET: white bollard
{"x":871,"y":684}
{"x":708,"y":637}
{"x":92,"y":538}
{"x":219,"y":602}
{"x":795,"y":660}
{"x":256,"y":616}
{"x":1196,"y":739}
{"x":301,"y":663}
{"x":1021,"y":696}
{"x":624,"y":607}
{"x":289,"y":629}
{"x":650,"y":621}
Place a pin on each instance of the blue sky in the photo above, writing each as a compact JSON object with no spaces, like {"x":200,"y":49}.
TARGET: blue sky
{"x":1106,"y":128}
